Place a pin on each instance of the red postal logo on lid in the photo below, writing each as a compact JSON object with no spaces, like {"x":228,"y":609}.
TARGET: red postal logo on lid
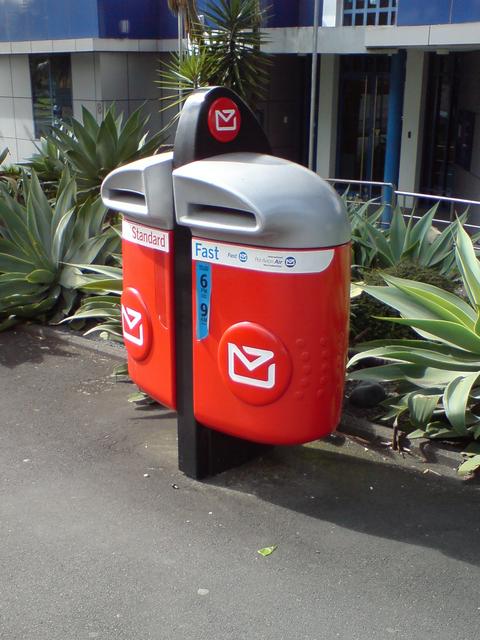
{"x":224,"y":120}
{"x":254,"y":363}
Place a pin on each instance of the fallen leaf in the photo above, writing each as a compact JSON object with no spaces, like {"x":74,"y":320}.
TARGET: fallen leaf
{"x":267,"y":551}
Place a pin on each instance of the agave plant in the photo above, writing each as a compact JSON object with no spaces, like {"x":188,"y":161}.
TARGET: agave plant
{"x":93,"y":150}
{"x":38,"y":245}
{"x":411,"y":240}
{"x":362,"y":219}
{"x":47,"y":164}
{"x":104,"y":286}
{"x":439,"y":373}
{"x":104,"y":307}
{"x":407,"y":249}
{"x":10,"y":175}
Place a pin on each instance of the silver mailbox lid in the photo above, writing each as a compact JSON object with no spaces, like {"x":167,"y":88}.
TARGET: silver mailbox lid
{"x":143,"y":190}
{"x":259,"y":200}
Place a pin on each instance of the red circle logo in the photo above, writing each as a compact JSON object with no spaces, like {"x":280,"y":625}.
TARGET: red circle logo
{"x":136,"y":325}
{"x":224,"y":120}
{"x":254,"y":363}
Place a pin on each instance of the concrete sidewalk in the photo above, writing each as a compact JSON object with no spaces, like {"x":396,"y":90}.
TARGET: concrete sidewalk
{"x":102,"y":537}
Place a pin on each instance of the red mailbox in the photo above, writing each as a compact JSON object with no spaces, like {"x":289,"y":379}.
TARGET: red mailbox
{"x":271,"y":279}
{"x":142,"y":191}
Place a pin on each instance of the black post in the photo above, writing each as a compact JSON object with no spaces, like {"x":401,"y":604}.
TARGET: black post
{"x":203,"y":452}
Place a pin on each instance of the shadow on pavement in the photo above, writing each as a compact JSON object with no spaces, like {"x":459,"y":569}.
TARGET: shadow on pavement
{"x":368,"y":496}
{"x":17,"y":347}
{"x":157,"y":414}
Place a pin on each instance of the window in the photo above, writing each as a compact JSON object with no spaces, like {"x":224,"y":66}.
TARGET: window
{"x":369,"y":12}
{"x":51,"y":78}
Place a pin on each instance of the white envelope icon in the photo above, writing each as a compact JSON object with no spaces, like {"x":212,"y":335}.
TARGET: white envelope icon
{"x":225,"y":120}
{"x":132,"y":325}
{"x":236,"y":356}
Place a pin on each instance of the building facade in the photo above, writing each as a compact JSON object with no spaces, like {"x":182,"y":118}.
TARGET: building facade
{"x":398,"y":80}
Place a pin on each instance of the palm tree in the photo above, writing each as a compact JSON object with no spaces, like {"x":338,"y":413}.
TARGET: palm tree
{"x":226,"y":51}
{"x":187,"y":11}
{"x":234,"y":39}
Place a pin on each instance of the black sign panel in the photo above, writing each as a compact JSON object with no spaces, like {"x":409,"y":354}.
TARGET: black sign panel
{"x":213,"y":121}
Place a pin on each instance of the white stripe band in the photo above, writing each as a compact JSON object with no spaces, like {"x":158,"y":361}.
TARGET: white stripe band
{"x":145,"y":236}
{"x":255,"y":259}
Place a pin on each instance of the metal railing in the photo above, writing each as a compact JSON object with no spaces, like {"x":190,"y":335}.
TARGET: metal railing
{"x":369,"y":183}
{"x":366,"y":185}
{"x":453,"y":202}
{"x":396,"y":195}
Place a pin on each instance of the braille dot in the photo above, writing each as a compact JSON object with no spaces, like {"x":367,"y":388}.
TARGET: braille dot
{"x":305,"y":356}
{"x":320,"y":394}
{"x":300,"y":342}
{"x":307,"y":368}
{"x":304,"y":382}
{"x":299,"y":395}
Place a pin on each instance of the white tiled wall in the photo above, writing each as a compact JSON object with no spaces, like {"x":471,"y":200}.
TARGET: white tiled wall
{"x":16,"y":116}
{"x":83,"y":77}
{"x":6,"y":89}
{"x":128,"y":79}
{"x":22,"y":87}
{"x":95,"y":108}
{"x":26,"y":148}
{"x":98,"y":79}
{"x":7,"y":118}
{"x":23,"y":118}
{"x":114,"y":76}
{"x":142,"y":72}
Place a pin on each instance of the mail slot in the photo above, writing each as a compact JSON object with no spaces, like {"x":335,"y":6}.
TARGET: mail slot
{"x":142,"y":191}
{"x":270,"y":288}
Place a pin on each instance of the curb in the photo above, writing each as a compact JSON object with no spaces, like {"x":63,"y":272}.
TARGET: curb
{"x":424,"y":450}
{"x":108,"y":348}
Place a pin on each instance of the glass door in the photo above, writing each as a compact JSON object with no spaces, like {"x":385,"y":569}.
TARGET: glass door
{"x":438,"y":170}
{"x":362,"y":125}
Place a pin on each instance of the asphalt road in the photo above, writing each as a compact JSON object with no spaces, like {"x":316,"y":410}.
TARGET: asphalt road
{"x":101,"y":536}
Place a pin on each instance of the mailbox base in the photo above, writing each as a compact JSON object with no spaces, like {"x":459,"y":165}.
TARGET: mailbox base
{"x":203,"y":452}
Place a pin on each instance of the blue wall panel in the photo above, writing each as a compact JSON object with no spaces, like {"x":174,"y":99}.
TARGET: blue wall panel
{"x":83,"y":18}
{"x":305,"y":13}
{"x":63,"y":19}
{"x":282,"y":14}
{"x":466,"y":11}
{"x":47,"y":19}
{"x":293,"y":13}
{"x":58,"y":19}
{"x":167,"y":25}
{"x":413,"y":12}
{"x":135,"y":19}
